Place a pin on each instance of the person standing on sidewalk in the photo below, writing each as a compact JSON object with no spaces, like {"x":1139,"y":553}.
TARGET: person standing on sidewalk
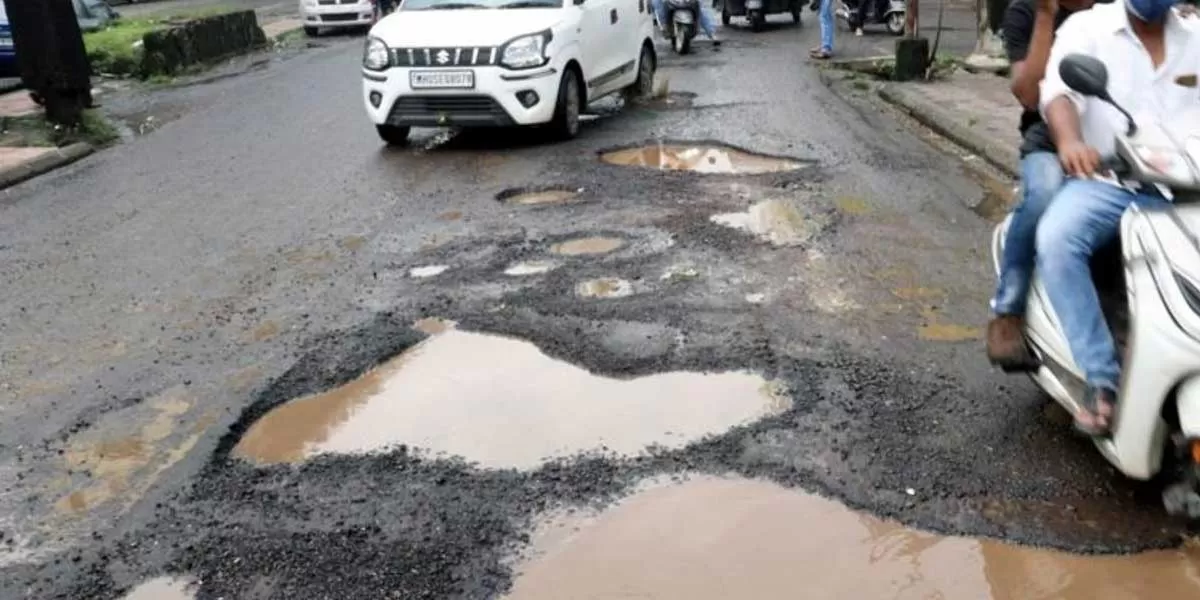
{"x":825,"y":14}
{"x":1028,"y":31}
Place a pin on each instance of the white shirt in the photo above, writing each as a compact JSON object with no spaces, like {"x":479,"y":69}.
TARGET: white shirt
{"x":1147,"y":93}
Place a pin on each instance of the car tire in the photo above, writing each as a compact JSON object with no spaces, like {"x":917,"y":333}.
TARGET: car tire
{"x":312,"y":31}
{"x":393,"y":135}
{"x":643,"y":86}
{"x":895,"y":23}
{"x":565,"y":125}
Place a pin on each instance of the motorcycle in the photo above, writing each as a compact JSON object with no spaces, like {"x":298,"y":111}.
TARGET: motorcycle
{"x":683,"y":16}
{"x":892,"y":17}
{"x":1149,"y":285}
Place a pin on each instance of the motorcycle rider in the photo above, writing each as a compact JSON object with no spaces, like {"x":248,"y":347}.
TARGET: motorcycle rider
{"x":1028,"y":31}
{"x":704,"y":18}
{"x":1152,"y":55}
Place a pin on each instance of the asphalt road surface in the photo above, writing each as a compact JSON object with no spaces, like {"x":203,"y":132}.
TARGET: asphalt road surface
{"x":555,"y":315}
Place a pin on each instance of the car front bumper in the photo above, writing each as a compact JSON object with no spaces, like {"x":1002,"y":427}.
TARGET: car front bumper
{"x":338,"y":15}
{"x":495,"y":99}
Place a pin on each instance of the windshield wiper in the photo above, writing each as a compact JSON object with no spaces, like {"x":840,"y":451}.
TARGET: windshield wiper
{"x":530,"y":4}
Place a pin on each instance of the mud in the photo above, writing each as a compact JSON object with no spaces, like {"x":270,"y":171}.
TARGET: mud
{"x":739,"y":538}
{"x":590,"y":245}
{"x":479,"y":396}
{"x":607,"y":287}
{"x":779,"y":222}
{"x":700,"y":158}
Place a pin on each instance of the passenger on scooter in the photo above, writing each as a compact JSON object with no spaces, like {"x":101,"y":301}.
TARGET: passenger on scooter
{"x":1028,"y":31}
{"x":1151,"y":54}
{"x":704,"y":18}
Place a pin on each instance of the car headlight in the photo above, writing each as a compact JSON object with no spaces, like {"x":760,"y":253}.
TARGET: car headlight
{"x":526,"y":52}
{"x":1166,"y":162}
{"x":375,"y":55}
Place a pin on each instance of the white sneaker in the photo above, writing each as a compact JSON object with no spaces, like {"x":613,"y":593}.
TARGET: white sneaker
{"x":858,"y":32}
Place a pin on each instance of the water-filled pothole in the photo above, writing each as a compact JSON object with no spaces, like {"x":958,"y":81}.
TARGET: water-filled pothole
{"x":605,"y":287}
{"x":778,"y":221}
{"x":587,"y":245}
{"x":700,"y":158}
{"x":538,"y":196}
{"x":163,"y":588}
{"x":530,"y":267}
{"x":502,"y":403}
{"x":739,"y":538}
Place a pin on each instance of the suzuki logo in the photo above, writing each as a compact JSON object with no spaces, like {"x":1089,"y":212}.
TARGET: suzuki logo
{"x":443,"y":57}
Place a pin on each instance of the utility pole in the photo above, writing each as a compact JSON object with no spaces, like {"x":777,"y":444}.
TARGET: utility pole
{"x":51,"y":56}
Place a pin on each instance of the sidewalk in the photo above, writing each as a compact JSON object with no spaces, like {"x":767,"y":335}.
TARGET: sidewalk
{"x":976,"y":111}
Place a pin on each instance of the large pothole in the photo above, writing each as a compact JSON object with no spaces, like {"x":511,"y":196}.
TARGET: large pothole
{"x":501,"y":402}
{"x":739,"y":538}
{"x":700,"y":158}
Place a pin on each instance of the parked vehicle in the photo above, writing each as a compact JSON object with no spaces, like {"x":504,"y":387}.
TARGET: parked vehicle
{"x":756,"y":11}
{"x":8,"y":55}
{"x":892,"y":17}
{"x":683,"y":17}
{"x":1149,"y":285}
{"x":478,"y":63}
{"x":320,"y":15}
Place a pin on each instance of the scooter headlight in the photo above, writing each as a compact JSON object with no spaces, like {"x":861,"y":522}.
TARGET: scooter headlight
{"x":1166,"y":162}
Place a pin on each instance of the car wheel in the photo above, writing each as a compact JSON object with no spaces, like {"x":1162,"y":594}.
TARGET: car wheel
{"x":643,"y":86}
{"x":393,"y":135}
{"x":895,"y":23}
{"x":312,"y":31}
{"x":565,"y":125}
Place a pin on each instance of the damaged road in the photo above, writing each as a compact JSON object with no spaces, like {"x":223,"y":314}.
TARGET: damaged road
{"x":495,"y":339}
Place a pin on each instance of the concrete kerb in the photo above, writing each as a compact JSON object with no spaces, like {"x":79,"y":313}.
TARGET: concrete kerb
{"x":1002,"y":156}
{"x":43,"y":164}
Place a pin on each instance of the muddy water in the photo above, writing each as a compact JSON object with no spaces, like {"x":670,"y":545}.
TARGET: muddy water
{"x":606,"y":287}
{"x":588,"y":245}
{"x":533,"y":267}
{"x":163,"y":588}
{"x":539,"y":197}
{"x":699,"y":159}
{"x":779,"y":222}
{"x":737,"y":538}
{"x":502,"y":403}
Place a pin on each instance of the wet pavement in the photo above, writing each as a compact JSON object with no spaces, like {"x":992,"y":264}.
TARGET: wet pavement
{"x":210,"y":369}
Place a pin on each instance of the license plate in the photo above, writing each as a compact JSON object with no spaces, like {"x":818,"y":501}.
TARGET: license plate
{"x":424,"y":80}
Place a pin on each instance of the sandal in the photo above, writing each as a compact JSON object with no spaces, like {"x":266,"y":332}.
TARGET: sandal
{"x":1096,"y":417}
{"x":820,"y":54}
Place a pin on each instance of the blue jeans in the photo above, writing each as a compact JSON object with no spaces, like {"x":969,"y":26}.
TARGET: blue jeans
{"x":826,"y":22}
{"x":1041,"y":177}
{"x":704,"y":18}
{"x":1084,"y":216}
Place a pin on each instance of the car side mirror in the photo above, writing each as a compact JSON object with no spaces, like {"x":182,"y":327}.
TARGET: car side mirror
{"x":1085,"y":74}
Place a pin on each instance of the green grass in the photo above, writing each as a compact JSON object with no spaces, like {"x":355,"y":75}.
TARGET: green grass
{"x":36,"y":131}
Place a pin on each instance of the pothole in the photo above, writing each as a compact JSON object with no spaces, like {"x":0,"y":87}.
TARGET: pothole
{"x":778,"y":221}
{"x":738,"y":538}
{"x":427,"y":271}
{"x":163,"y":588}
{"x":502,"y":403}
{"x":538,"y":196}
{"x":533,"y":267}
{"x":605,"y":287}
{"x":700,"y":158}
{"x":587,"y":245}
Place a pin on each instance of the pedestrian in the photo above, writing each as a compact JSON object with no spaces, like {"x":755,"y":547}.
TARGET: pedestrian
{"x":825,"y":14}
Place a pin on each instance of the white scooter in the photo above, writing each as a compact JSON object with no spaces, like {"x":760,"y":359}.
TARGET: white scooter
{"x":1149,"y":286}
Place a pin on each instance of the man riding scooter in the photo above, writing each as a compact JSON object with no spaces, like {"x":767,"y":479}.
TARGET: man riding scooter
{"x":704,"y":18}
{"x":1028,"y":29}
{"x":1152,"y":56}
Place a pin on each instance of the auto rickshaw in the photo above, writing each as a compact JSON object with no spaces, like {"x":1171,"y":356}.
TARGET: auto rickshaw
{"x":756,"y":11}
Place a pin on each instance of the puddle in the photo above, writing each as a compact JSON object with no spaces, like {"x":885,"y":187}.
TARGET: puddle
{"x":705,"y":158}
{"x":533,"y":197}
{"x":738,"y":538}
{"x":536,"y":267}
{"x":481,"y":396}
{"x":163,"y":588}
{"x":605,"y":287}
{"x":427,"y":271}
{"x":777,"y":221}
{"x":590,"y":245}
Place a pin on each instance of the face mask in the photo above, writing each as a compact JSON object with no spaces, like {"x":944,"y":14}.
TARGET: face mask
{"x":1149,"y":11}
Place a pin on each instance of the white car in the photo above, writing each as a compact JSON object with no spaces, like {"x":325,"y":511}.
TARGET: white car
{"x":335,"y":14}
{"x":474,"y":63}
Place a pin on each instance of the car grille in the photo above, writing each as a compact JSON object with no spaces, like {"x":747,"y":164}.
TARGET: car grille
{"x":471,"y":109}
{"x":340,"y":17}
{"x":469,"y":56}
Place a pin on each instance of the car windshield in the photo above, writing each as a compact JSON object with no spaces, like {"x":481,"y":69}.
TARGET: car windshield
{"x":478,"y":4}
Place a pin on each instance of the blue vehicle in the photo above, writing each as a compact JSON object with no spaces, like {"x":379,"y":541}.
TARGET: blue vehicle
{"x":8,"y":57}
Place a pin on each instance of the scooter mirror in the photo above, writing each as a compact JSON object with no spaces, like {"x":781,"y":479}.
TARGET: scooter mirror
{"x":1084,"y":74}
